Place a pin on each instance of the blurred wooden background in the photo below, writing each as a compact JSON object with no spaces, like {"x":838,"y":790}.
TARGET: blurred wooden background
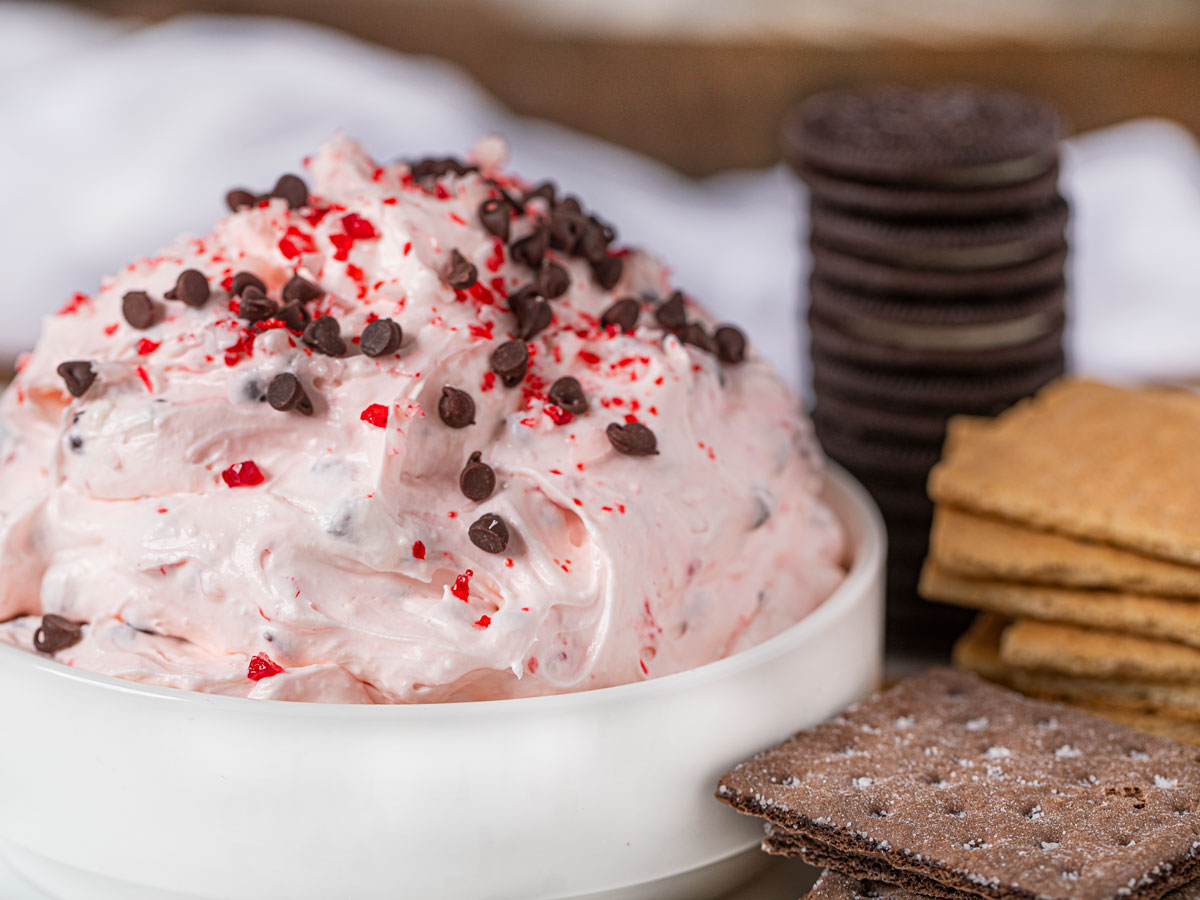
{"x":703,"y":86}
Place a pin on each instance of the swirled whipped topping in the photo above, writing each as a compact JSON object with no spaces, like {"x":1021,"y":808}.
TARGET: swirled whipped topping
{"x":419,"y":434}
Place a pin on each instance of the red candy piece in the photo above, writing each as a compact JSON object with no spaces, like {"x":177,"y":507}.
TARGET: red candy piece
{"x":343,"y":243}
{"x":462,"y":586}
{"x":558,"y":414}
{"x":376,"y":414}
{"x":262,"y":666}
{"x":358,"y":227}
{"x":418,"y":550}
{"x":243,"y":474}
{"x":483,"y":622}
{"x":145,"y":347}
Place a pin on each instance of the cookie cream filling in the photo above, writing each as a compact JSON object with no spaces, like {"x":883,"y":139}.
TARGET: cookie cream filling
{"x":242,"y":465}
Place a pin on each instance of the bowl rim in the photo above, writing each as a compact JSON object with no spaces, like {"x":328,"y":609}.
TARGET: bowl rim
{"x":869,"y":553}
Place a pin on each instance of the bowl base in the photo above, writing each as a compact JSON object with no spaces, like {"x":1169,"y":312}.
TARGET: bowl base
{"x":722,"y":879}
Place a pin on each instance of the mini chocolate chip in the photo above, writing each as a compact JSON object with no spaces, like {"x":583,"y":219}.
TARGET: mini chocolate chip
{"x":294,"y":316}
{"x":546,"y":191}
{"x":436,"y":167}
{"x":56,"y":633}
{"x":553,"y":280}
{"x":697,"y":335}
{"x":292,"y":189}
{"x":301,"y":290}
{"x":139,"y":310}
{"x":531,"y":249}
{"x":461,"y":273}
{"x":381,"y":338}
{"x":191,"y":287}
{"x":496,"y":216}
{"x":605,"y":231}
{"x":632,"y":439}
{"x":285,"y":392}
{"x":325,"y":335}
{"x":594,"y":239}
{"x":456,"y":408}
{"x":533,"y":313}
{"x":566,"y":228}
{"x":731,"y":344}
{"x":243,"y":280}
{"x":569,"y":203}
{"x":568,"y":393}
{"x":256,"y":306}
{"x":477,"y":480}
{"x":624,"y":314}
{"x":240,"y":198}
{"x":489,"y":533}
{"x":607,"y":271}
{"x":78,"y":375}
{"x":670,"y":313}
{"x":510,"y":361}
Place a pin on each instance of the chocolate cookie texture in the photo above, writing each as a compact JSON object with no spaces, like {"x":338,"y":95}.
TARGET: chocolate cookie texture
{"x":951,"y":787}
{"x":952,"y":137}
{"x":938,"y":242}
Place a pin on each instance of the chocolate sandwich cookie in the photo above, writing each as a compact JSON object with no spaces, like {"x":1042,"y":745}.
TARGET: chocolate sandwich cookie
{"x":887,"y":461}
{"x":889,"y":201}
{"x":903,"y":503}
{"x":881,"y":423}
{"x":967,"y":246}
{"x":985,"y":395}
{"x":961,"y":348}
{"x":962,"y":137}
{"x":879,"y":316}
{"x":873,"y":276}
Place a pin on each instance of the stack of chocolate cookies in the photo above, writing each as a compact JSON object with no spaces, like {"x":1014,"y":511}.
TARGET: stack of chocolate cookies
{"x":938,"y":240}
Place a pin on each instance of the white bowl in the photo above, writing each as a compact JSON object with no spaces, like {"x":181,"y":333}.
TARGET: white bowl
{"x":111,"y":790}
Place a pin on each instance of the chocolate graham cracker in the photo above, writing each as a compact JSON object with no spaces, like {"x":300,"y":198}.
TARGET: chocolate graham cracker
{"x":953,"y":787}
{"x":1088,"y":460}
{"x":990,"y":548}
{"x":1134,"y":614}
{"x":832,"y":886}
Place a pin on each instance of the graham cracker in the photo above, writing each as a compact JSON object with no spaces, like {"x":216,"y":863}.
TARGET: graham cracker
{"x":1085,"y":459}
{"x":1071,"y":650}
{"x":1167,"y":710}
{"x":953,"y":787}
{"x":1152,"y":617}
{"x":990,"y":548}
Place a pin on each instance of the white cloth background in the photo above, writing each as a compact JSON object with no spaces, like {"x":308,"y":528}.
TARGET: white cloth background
{"x":115,"y":138}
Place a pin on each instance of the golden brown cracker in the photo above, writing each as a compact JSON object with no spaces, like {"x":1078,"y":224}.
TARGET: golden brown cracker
{"x":1071,"y":650}
{"x":1151,"y":617}
{"x":1102,"y":463}
{"x":1171,"y":711}
{"x":1182,"y":730}
{"x":982,"y":547}
{"x":978,"y":649}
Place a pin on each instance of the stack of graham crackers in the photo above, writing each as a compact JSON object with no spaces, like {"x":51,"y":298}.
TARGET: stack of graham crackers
{"x":951,"y":788}
{"x":1073,"y":522}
